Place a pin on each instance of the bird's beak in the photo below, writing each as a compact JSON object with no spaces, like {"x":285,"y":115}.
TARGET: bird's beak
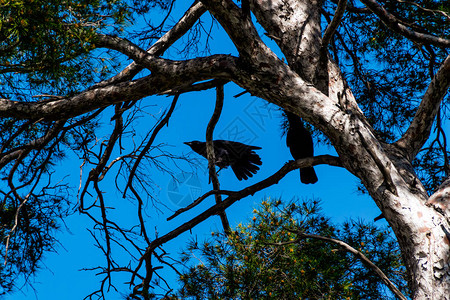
{"x":187,"y":143}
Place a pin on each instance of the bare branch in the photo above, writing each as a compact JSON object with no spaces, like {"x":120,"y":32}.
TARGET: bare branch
{"x":144,"y":151}
{"x":198,"y":201}
{"x":232,"y":198}
{"x":196,"y":87}
{"x":331,"y":29}
{"x":273,"y":179}
{"x":238,"y":195}
{"x":321,"y":76}
{"x":211,"y":155}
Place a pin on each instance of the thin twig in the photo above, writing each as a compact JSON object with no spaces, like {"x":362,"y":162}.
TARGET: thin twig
{"x":144,"y":151}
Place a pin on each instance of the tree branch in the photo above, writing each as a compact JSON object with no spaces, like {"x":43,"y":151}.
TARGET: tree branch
{"x":331,"y":28}
{"x":211,"y":155}
{"x":250,"y":190}
{"x":352,"y":250}
{"x":177,"y":74}
{"x":238,"y":27}
{"x":384,"y":169}
{"x":232,"y":198}
{"x":176,"y":32}
{"x":394,"y":24}
{"x":419,"y":129}
{"x":37,"y":143}
{"x":161,"y":123}
{"x":288,"y":167}
{"x":440,"y":200}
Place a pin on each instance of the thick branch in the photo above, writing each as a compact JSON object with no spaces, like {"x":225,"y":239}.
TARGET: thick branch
{"x":419,"y":130}
{"x":238,"y":27}
{"x":296,"y":28}
{"x":179,"y":74}
{"x":394,"y":24}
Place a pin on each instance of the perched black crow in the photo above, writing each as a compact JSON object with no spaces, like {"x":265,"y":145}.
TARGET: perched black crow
{"x":300,"y":142}
{"x":242,"y":159}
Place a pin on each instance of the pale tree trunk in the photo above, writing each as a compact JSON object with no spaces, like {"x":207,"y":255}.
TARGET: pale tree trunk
{"x":385,"y":170}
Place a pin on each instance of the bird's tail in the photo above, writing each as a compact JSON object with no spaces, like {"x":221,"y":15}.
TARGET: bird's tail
{"x":246,"y":165}
{"x":308,"y":175}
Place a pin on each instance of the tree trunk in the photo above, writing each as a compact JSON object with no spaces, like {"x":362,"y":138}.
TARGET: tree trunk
{"x":385,"y":170}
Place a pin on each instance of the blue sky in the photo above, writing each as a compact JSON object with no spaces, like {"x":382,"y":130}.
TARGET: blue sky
{"x":246,"y":119}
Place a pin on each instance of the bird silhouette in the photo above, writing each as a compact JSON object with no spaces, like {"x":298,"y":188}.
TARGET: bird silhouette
{"x":300,"y":143}
{"x":243,"y":160}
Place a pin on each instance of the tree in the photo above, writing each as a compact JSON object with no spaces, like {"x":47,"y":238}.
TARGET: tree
{"x":268,"y":258}
{"x":372,"y":80}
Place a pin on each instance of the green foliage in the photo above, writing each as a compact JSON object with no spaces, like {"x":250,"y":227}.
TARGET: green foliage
{"x":266,"y":259}
{"x":27,"y":236}
{"x":48,"y":42}
{"x":46,"y":46}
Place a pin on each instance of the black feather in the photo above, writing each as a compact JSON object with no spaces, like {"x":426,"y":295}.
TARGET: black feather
{"x":243,"y":160}
{"x":301,"y":145}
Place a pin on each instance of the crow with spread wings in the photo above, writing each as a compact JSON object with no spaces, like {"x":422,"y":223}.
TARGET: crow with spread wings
{"x":243,"y":160}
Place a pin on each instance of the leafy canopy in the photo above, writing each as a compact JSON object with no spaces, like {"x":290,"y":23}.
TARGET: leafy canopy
{"x":266,"y":258}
